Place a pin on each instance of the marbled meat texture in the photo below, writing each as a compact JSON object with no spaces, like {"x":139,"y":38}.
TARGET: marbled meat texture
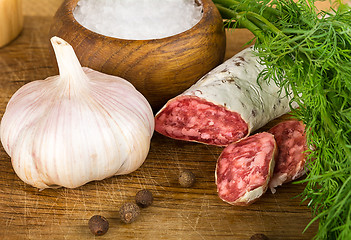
{"x":244,"y":169}
{"x":194,"y":119}
{"x":225,"y":105}
{"x":291,"y":142}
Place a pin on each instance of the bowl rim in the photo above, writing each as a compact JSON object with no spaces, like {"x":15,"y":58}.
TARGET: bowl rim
{"x":68,"y":6}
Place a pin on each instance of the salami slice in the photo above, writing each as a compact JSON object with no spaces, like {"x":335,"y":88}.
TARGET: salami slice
{"x":291,"y":143}
{"x":225,"y":105}
{"x":244,"y":169}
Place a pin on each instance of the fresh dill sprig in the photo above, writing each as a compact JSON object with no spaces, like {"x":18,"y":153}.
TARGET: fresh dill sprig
{"x":309,"y":52}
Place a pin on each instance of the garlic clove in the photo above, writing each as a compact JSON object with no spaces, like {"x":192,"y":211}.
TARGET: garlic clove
{"x":77,"y":127}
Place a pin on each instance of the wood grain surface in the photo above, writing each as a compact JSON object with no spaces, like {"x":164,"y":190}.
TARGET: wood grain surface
{"x":177,"y":213}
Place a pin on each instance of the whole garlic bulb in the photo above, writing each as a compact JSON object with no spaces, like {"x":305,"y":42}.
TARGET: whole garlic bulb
{"x":79,"y":126}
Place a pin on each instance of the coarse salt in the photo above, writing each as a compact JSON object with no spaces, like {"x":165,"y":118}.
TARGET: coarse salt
{"x":138,"y":19}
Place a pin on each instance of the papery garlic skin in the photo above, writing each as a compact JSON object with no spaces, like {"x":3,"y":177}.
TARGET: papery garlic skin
{"x":77,"y":127}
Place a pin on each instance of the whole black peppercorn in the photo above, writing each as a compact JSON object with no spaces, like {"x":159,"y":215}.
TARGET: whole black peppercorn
{"x":259,"y":236}
{"x":129,"y":212}
{"x":98,"y":225}
{"x":186,"y":178}
{"x":144,"y":198}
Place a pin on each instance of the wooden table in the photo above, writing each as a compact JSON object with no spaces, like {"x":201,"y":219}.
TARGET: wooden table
{"x":177,"y":213}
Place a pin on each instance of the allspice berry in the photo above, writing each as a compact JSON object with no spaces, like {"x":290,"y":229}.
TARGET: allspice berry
{"x":144,"y":198}
{"x":186,"y":178}
{"x":129,"y":212}
{"x":98,"y":225}
{"x":259,"y":236}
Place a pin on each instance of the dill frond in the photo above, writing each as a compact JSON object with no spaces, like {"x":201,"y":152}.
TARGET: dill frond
{"x":310,"y":52}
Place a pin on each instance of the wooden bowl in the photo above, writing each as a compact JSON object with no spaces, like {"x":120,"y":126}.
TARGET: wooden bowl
{"x":159,"y":68}
{"x":11,"y":20}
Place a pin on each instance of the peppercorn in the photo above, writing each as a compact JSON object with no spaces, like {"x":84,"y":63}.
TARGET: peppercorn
{"x":259,"y":236}
{"x":129,"y":212}
{"x":144,"y":198}
{"x":98,"y":225}
{"x":186,"y":178}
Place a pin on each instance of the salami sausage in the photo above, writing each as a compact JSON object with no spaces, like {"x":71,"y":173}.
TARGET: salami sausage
{"x":244,"y":169}
{"x":291,"y":143}
{"x":225,"y":105}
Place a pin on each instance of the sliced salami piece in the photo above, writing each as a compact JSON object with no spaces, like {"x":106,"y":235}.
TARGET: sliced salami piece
{"x":291,"y":143}
{"x":244,"y":169}
{"x":195,"y":119}
{"x":223,"y":106}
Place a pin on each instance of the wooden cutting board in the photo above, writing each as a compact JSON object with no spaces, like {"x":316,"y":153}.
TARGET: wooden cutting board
{"x":177,"y":213}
